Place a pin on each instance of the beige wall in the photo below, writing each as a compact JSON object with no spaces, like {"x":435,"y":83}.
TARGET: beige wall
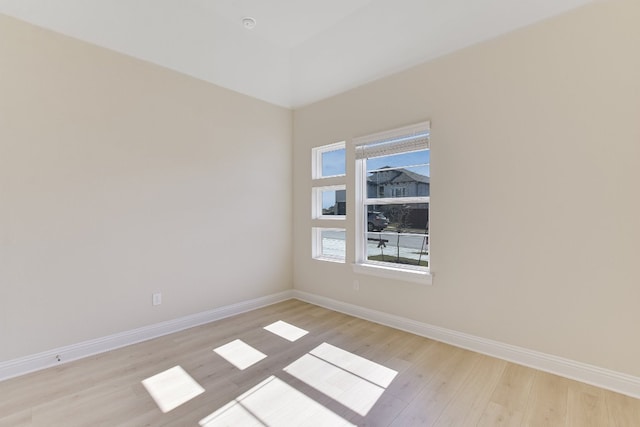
{"x":119,"y":178}
{"x":535,"y":211}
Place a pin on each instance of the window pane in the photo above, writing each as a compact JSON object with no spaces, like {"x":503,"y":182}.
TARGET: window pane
{"x":332,"y":244}
{"x":399,"y":175}
{"x":334,"y":202}
{"x":398,"y":233}
{"x":333,"y":163}
{"x":415,"y":158}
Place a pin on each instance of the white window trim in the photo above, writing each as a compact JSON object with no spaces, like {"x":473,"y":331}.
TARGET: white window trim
{"x":316,"y":202}
{"x":395,"y":191}
{"x":396,"y":200}
{"x":319,"y":184}
{"x":362,"y":265}
{"x":316,"y":159}
{"x":316,"y":239}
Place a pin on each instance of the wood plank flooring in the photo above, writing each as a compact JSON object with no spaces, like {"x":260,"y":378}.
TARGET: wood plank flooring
{"x":435,"y":385}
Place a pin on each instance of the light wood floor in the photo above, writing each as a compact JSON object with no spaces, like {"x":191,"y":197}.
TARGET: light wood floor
{"x":436,"y":384}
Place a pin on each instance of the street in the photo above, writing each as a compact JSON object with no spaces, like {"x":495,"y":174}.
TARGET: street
{"x":411,"y":245}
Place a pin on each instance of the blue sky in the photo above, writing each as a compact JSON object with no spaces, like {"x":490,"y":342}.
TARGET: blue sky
{"x":333,"y":162}
{"x":328,"y":199}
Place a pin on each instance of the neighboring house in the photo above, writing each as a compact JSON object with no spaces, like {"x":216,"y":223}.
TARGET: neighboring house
{"x":341,"y":202}
{"x":340,"y":207}
{"x":397,"y":183}
{"x":401,"y":183}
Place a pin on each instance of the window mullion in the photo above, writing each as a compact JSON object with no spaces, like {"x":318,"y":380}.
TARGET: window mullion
{"x":396,"y":200}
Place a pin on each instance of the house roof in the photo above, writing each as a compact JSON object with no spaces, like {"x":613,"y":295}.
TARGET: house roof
{"x":396,"y":176}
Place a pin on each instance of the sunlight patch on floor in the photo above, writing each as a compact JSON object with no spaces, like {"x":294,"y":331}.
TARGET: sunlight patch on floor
{"x":357,"y":365}
{"x":171,"y":388}
{"x":286,"y":330}
{"x":354,"y":381}
{"x":240,"y":354}
{"x":273,"y":402}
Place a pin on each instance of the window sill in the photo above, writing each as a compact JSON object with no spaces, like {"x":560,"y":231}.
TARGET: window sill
{"x":329,"y":259}
{"x":406,"y":275}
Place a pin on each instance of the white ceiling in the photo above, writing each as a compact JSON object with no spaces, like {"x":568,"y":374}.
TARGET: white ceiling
{"x":300,"y":51}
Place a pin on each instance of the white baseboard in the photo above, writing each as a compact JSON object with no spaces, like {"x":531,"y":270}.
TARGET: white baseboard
{"x":600,"y":377}
{"x":47,"y":359}
{"x":594,"y":375}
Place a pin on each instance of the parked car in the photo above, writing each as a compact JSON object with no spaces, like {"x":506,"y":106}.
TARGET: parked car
{"x":376,"y":221}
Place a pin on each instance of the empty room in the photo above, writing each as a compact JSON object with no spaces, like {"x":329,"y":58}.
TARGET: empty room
{"x":218,"y":213}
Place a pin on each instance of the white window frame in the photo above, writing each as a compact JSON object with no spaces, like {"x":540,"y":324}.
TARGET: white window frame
{"x":319,"y":184}
{"x":395,"y":191}
{"x":316,"y":202}
{"x":316,"y":159}
{"x":317,"y":253}
{"x":405,"y":139}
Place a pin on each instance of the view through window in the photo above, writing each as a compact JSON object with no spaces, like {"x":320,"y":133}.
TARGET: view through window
{"x":393,"y":198}
{"x":329,"y":202}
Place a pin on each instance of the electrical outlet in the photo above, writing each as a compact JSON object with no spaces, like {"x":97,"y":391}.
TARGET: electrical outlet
{"x":157,"y":298}
{"x":356,"y":285}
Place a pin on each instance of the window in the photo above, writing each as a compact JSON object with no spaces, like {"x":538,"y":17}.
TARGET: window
{"x":328,"y":202}
{"x":399,"y":191}
{"x":392,"y":201}
{"x":328,"y":161}
{"x":329,"y":244}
